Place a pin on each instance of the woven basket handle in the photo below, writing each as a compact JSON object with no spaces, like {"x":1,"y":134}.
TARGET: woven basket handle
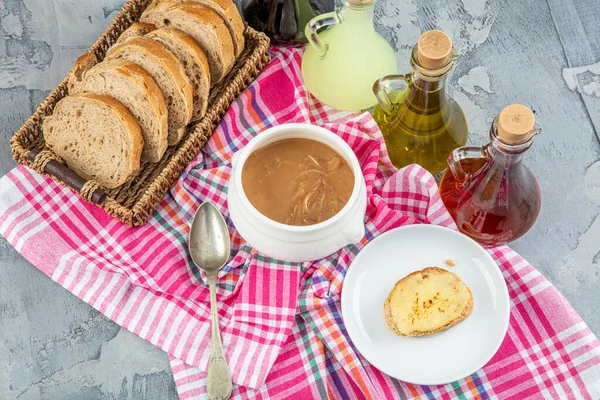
{"x":89,"y":190}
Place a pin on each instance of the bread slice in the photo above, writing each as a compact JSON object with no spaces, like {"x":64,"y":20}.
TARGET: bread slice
{"x":133,"y":87}
{"x":169,"y":74}
{"x":194,"y":62}
{"x":426,"y":302}
{"x":135,"y":30}
{"x":203,"y":24}
{"x":232,"y":18}
{"x":191,"y":55}
{"x":97,"y":137}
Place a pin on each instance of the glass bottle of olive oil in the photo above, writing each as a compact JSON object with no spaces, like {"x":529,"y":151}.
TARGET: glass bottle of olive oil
{"x":420,"y":123}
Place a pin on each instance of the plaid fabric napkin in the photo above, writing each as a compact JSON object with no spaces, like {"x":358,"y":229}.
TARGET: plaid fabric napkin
{"x":281,"y":322}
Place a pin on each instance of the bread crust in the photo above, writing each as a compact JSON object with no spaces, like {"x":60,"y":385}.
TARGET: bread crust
{"x":172,"y":65}
{"x":200,"y":57}
{"x":229,"y":12}
{"x":209,"y":16}
{"x":136,"y":29}
{"x":136,"y":141}
{"x":157,"y":101}
{"x":83,"y":63}
{"x":160,"y":11}
{"x":158,"y":5}
{"x":389,"y":318}
{"x":171,"y":62}
{"x":226,"y":9}
{"x":145,"y":83}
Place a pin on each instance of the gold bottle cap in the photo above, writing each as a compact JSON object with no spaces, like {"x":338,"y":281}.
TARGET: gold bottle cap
{"x":515,"y":124}
{"x":434,"y":49}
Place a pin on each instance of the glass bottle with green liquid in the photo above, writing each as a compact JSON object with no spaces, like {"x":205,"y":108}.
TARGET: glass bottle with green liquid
{"x":341,"y":63}
{"x":420,"y":123}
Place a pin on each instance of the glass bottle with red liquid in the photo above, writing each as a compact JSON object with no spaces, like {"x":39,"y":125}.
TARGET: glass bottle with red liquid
{"x":492,"y":196}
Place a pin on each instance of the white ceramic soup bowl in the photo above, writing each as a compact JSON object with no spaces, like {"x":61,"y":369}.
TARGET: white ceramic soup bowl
{"x":297,"y":243}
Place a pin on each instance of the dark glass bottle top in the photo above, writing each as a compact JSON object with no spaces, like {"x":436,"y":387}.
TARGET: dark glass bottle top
{"x":284,"y":20}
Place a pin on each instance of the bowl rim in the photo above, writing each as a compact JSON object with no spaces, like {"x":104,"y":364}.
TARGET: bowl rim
{"x":315,"y":131}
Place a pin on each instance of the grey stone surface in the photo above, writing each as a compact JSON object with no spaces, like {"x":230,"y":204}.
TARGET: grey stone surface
{"x":545,"y":55}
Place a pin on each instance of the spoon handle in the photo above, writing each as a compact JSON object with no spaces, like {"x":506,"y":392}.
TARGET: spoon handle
{"x":218,"y":381}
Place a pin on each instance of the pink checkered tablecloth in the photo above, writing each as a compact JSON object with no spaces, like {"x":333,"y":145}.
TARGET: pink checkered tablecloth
{"x":281,"y":323}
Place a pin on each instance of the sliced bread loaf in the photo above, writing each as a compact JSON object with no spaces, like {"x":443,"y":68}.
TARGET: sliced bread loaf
{"x":194,"y":62}
{"x":203,"y":24}
{"x":169,"y":74}
{"x":97,"y":137}
{"x":132,"y":86}
{"x":135,"y":30}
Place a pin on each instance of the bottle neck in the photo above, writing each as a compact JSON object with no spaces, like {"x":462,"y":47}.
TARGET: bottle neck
{"x":356,"y":14}
{"x":435,"y":86}
{"x":511,"y":155}
{"x":431,"y":81}
{"x":428,"y":88}
{"x":427,"y":95}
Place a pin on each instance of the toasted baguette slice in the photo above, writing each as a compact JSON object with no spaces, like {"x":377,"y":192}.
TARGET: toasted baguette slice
{"x":426,"y":302}
{"x":132,"y":86}
{"x":169,"y":74}
{"x":97,"y":137}
{"x":194,"y":62}
{"x":203,"y":24}
{"x":135,"y":30}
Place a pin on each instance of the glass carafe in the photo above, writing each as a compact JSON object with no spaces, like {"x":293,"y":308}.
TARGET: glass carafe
{"x":284,"y":21}
{"x":341,"y":63}
{"x":493,"y":197}
{"x":420,"y":123}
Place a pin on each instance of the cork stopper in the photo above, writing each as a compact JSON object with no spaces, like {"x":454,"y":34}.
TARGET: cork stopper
{"x":515,"y":124}
{"x":434,"y":49}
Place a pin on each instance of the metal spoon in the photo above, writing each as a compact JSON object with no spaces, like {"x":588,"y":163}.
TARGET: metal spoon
{"x":209,"y":246}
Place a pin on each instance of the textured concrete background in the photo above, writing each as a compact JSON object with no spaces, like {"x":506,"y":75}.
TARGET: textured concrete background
{"x":544,"y":54}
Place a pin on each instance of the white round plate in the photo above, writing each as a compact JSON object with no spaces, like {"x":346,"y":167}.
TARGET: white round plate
{"x":431,"y":359}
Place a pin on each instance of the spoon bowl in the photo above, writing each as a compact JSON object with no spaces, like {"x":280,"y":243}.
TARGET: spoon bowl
{"x":209,"y":242}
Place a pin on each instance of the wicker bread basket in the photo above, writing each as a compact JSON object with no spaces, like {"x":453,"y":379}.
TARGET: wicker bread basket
{"x":134,"y":201}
